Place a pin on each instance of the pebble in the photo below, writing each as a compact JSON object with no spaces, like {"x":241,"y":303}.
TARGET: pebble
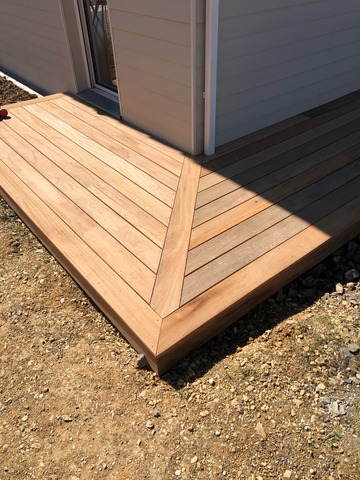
{"x":324,"y":402}
{"x":211,"y":381}
{"x":353,"y":348}
{"x":344,"y":352}
{"x":150,"y":425}
{"x":141,"y":362}
{"x":334,"y":409}
{"x":194,"y":459}
{"x":260,"y":430}
{"x":339,"y":289}
{"x":178,"y":473}
{"x":66,"y":418}
{"x":204,"y":413}
{"x":287,"y":474}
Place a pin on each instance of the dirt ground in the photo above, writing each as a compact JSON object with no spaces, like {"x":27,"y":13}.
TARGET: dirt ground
{"x":276,"y":395}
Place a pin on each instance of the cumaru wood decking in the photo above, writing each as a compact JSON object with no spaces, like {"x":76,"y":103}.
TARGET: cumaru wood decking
{"x":174,"y":248}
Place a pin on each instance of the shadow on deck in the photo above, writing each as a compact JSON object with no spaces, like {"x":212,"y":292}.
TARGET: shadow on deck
{"x":172,"y":248}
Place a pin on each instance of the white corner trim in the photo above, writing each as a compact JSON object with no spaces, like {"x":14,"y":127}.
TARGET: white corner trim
{"x":211,"y":52}
{"x":193,"y":32}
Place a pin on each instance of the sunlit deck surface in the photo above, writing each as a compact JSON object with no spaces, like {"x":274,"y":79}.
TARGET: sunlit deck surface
{"x":173,"y":248}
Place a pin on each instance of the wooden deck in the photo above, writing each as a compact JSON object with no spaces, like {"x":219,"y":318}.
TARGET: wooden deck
{"x":173,"y":248}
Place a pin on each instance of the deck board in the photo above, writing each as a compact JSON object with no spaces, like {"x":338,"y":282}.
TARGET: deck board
{"x":104,"y":148}
{"x":171,"y":250}
{"x":114,"y":180}
{"x":229,"y":215}
{"x":62,"y":173}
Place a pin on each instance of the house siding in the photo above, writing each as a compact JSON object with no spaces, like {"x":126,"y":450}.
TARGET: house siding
{"x":152,"y":49}
{"x":279,"y":58}
{"x":33,"y":44}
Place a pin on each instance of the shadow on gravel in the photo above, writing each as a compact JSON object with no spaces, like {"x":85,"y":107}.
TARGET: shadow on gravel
{"x":335,"y":280}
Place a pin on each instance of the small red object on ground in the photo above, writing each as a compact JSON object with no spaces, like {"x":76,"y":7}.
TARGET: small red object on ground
{"x":3,"y":112}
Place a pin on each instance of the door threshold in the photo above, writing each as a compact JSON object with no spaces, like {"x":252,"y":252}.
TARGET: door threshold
{"x":98,"y":99}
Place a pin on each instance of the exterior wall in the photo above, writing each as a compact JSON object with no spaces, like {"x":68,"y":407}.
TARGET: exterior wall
{"x":33,"y":44}
{"x":278,"y":58}
{"x":152,"y":48}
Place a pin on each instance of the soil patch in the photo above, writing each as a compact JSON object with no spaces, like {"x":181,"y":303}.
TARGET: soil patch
{"x":11,"y":93}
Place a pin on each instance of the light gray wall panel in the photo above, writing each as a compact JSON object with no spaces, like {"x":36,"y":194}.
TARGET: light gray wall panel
{"x":279,"y":58}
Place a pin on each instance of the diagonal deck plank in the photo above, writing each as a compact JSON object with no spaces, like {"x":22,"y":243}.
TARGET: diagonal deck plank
{"x":224,"y":303}
{"x":61,"y":172}
{"x":270,"y":136}
{"x":96,"y":277}
{"x":135,"y":199}
{"x":171,"y":250}
{"x":261,"y":213}
{"x":169,"y":282}
{"x":144,"y":151}
{"x":102,"y":148}
{"x":228,"y":217}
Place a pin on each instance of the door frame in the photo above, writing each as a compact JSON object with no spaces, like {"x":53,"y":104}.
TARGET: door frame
{"x":71,"y":12}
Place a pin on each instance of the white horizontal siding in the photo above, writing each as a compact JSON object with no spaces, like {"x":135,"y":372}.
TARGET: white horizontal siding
{"x":152,"y":49}
{"x":279,"y":58}
{"x":33,"y":44}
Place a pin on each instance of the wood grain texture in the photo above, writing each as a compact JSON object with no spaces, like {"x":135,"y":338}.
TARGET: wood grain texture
{"x":230,"y":217}
{"x":261,"y":213}
{"x":139,"y":277}
{"x":169,"y":282}
{"x":252,"y":159}
{"x":214,"y":310}
{"x":118,"y":301}
{"x":252,"y":174}
{"x":13,"y":106}
{"x":169,"y":265}
{"x":246,"y":252}
{"x":270,"y":136}
{"x":67,"y":177}
{"x":75,"y":144}
{"x":110,"y":151}
{"x":136,"y":134}
{"x":146,"y":158}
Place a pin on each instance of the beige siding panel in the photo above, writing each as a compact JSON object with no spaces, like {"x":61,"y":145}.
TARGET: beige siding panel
{"x":173,"y":72}
{"x":152,"y":47}
{"x":33,"y":44}
{"x":175,"y":10}
{"x":42,"y":5}
{"x":170,"y":52}
{"x":169,"y":31}
{"x":155,"y":83}
{"x":161,"y":124}
{"x":161,"y":103}
{"x":279,"y":60}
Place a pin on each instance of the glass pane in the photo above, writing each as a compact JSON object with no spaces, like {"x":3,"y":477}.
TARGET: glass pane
{"x":98,"y":26}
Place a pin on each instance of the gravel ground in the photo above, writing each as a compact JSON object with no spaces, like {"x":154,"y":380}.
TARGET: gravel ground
{"x":276,"y":395}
